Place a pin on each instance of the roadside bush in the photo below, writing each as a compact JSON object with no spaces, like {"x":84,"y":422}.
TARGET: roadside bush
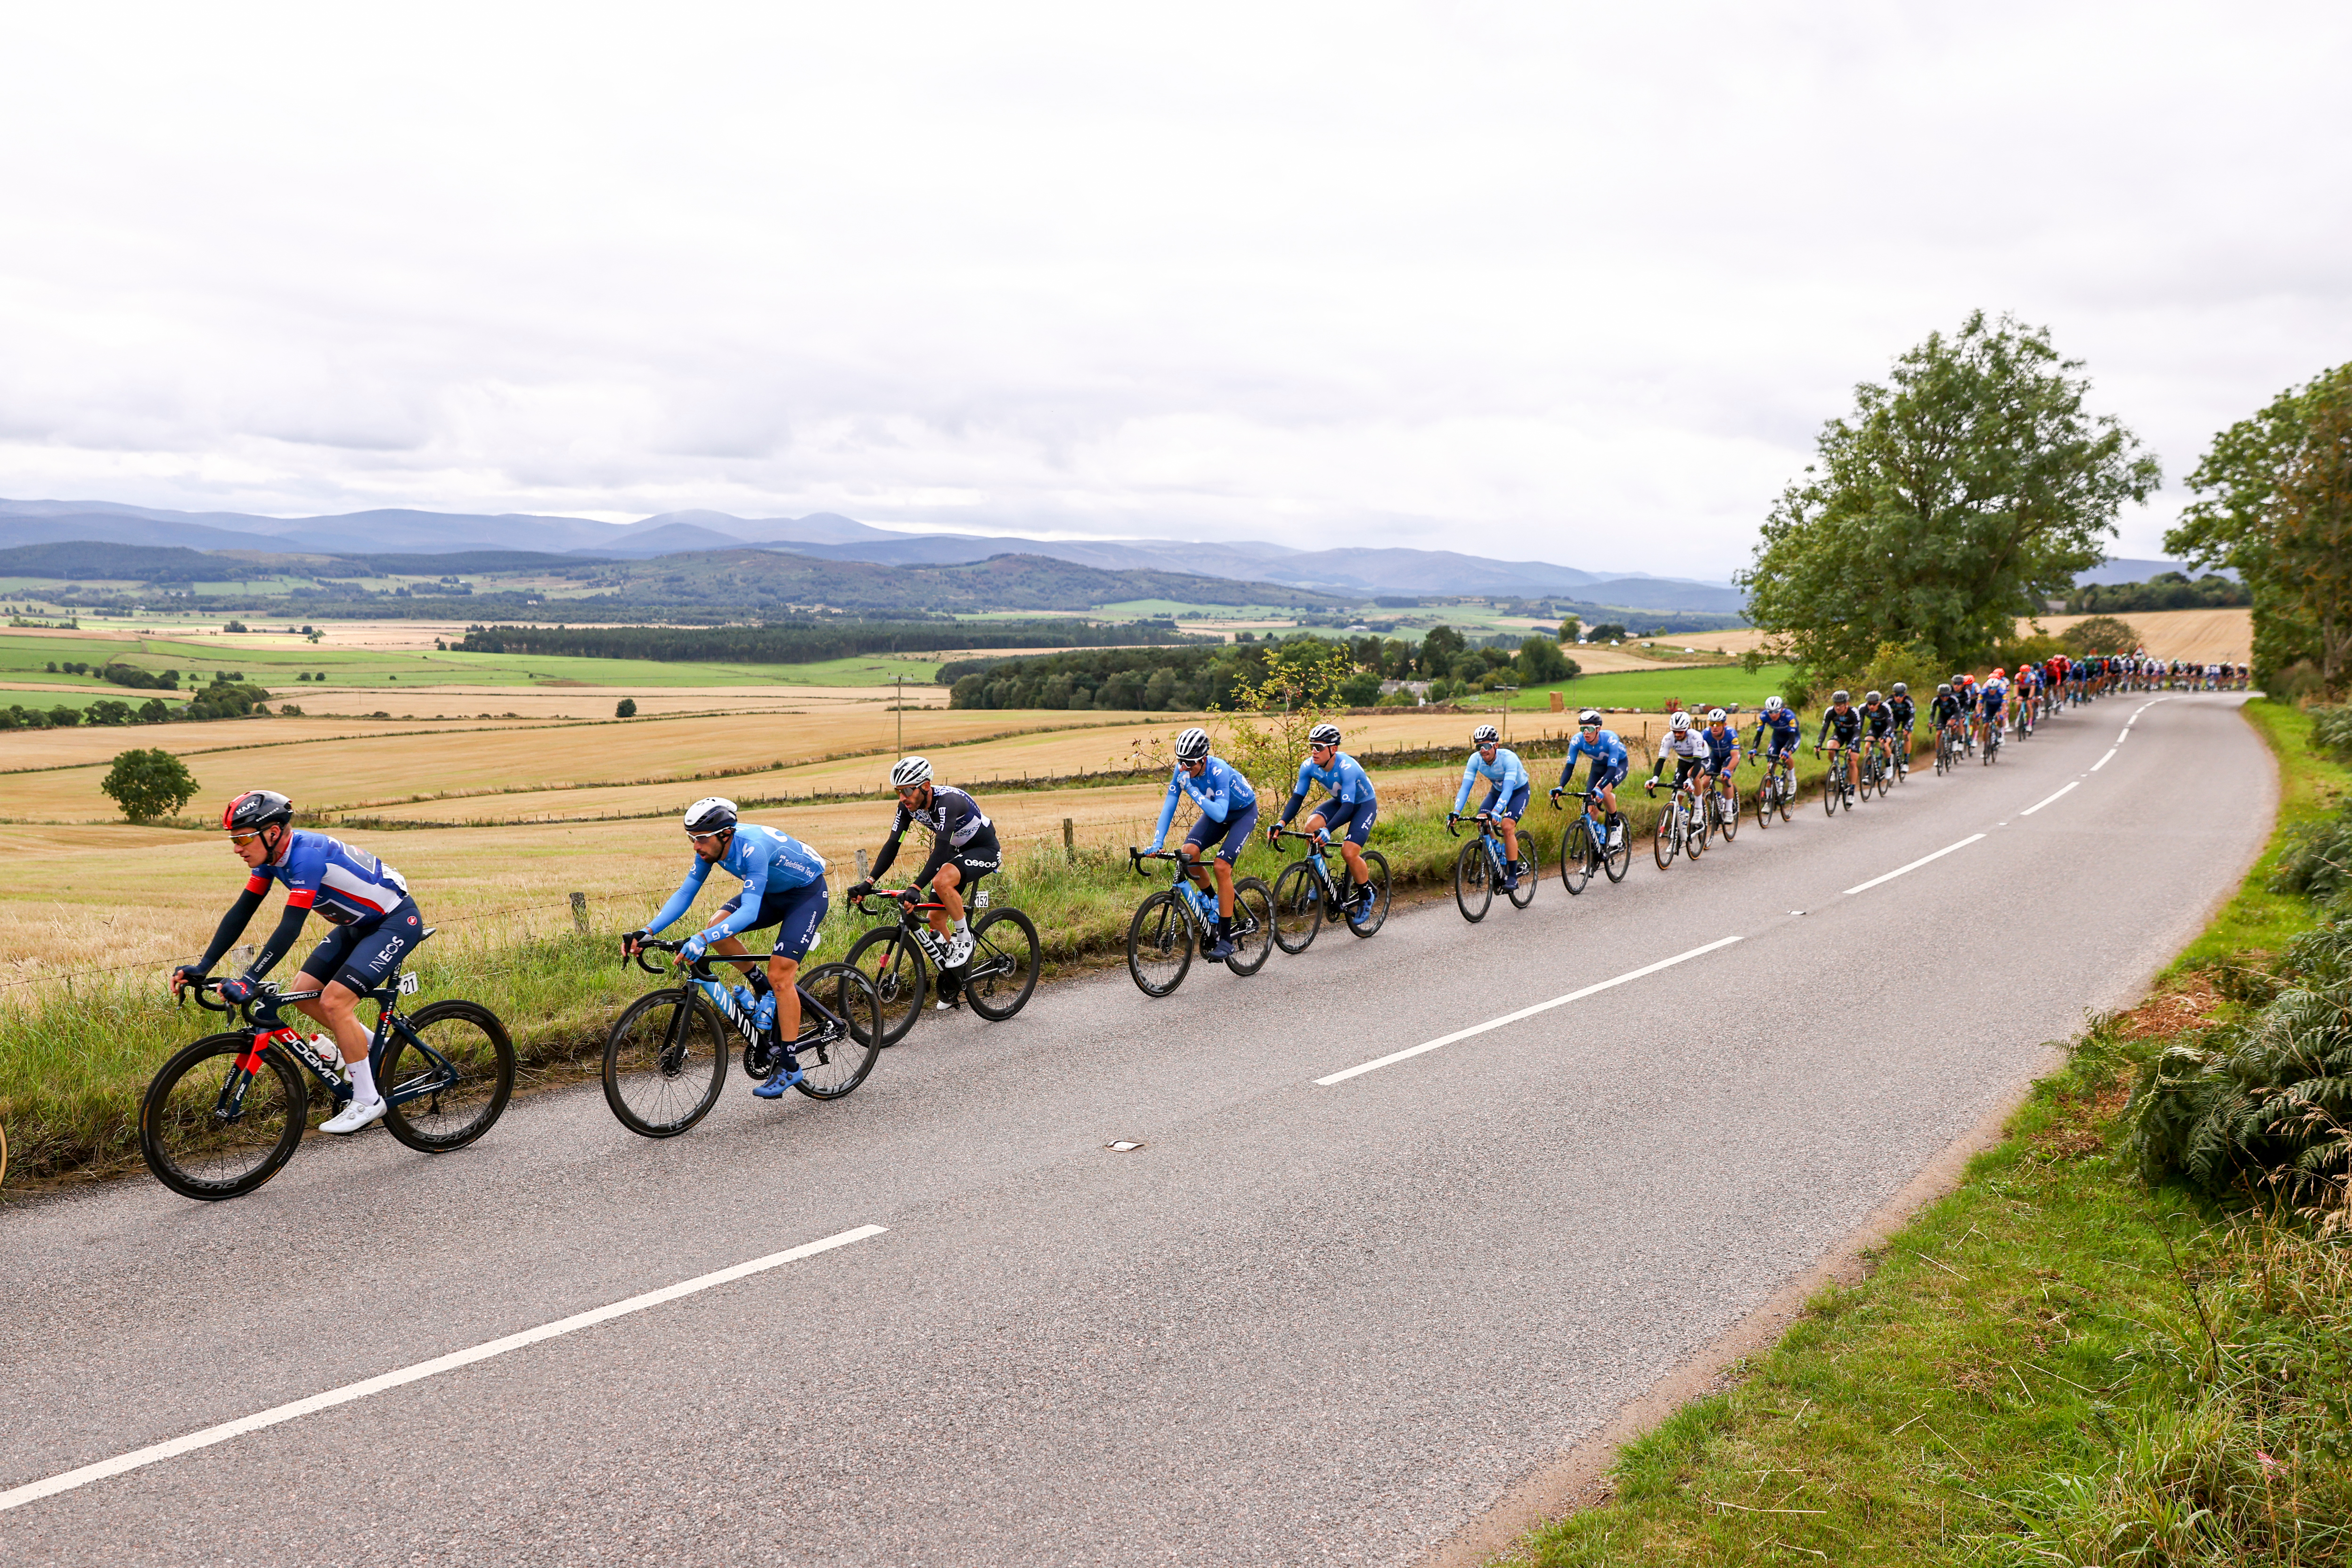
{"x":2100,"y":634}
{"x":148,"y":784}
{"x":2331,"y":733}
{"x":2316,"y":860}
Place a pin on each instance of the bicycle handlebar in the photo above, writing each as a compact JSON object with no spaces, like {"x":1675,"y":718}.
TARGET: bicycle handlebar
{"x":1136,"y":857}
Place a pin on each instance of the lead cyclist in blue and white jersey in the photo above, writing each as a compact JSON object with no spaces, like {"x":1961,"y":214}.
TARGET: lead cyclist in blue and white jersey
{"x":376,"y":925}
{"x":1228,"y":811}
{"x":783,"y":886}
{"x":1349,"y":810}
{"x":1506,"y":796}
{"x":1611,"y":762}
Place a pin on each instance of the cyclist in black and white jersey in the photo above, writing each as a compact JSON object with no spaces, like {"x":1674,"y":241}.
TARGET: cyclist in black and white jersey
{"x":964,"y":850}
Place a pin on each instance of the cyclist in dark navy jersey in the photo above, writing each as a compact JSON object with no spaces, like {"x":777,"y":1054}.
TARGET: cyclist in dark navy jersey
{"x":376,"y":925}
{"x":964,"y":850}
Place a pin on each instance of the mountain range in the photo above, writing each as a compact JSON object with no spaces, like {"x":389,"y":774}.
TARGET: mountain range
{"x":1364,"y":570}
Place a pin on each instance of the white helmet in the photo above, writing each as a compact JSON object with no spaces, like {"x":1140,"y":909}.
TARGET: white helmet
{"x":1192,"y":746}
{"x":1681,"y":723}
{"x":1717,"y":715}
{"x":1486,"y":735}
{"x":910,"y":773}
{"x":710,"y":814}
{"x":1771,"y":705}
{"x":1588,"y":718}
{"x":1323,"y":735}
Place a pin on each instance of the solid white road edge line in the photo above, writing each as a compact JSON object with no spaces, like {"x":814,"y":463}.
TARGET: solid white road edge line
{"x":1396,"y":1056}
{"x":1947,"y":850}
{"x":33,"y":1491}
{"x":2038,"y":804}
{"x":2103,"y":760}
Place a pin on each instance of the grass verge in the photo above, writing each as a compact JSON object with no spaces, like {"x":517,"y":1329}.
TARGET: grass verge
{"x":2055,"y":1363}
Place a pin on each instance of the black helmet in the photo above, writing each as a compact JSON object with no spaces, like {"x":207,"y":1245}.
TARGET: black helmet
{"x":710,"y":814}
{"x":1840,"y":695}
{"x":1192,"y":746}
{"x":255,"y":809}
{"x":1323,"y":735}
{"x":1901,"y":689}
{"x":1945,"y":689}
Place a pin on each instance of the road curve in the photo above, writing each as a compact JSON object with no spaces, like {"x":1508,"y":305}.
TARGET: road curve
{"x":1304,"y":1323}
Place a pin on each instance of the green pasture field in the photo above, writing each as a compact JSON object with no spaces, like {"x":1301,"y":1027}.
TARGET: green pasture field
{"x":82,"y":696}
{"x":270,"y":663}
{"x":1692,"y":684}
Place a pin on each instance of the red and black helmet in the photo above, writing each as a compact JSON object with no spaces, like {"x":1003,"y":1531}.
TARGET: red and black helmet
{"x":255,"y":809}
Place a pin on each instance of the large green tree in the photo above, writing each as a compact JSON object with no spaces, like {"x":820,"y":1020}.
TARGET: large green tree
{"x":1958,"y":496}
{"x":2271,"y":505}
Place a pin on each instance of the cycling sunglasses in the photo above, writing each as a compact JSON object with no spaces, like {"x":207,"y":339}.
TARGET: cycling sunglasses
{"x":242,"y":839}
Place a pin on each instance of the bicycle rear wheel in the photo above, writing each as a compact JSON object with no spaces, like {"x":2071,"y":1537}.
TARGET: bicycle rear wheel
{"x":1003,"y":971}
{"x":1576,"y":855}
{"x":199,"y":1151}
{"x":1159,"y":945}
{"x":1376,"y":913}
{"x":902,"y":979}
{"x":467,"y":1096}
{"x":836,"y":1056}
{"x":1473,"y":889}
{"x":1253,"y":925}
{"x":1297,"y":907}
{"x":664,"y":1061}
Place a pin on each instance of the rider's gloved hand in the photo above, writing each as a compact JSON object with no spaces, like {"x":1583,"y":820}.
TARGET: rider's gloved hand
{"x":1274,"y":834}
{"x":859,"y":889}
{"x":187,"y":974}
{"x":694,"y":947}
{"x":631,"y":940}
{"x":238,"y":991}
{"x":911,"y":897}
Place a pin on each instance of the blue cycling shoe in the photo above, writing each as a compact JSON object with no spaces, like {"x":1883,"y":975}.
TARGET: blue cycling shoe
{"x":787,"y":1076}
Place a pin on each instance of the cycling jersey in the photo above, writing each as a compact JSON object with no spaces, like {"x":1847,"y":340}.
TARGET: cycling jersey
{"x":1904,"y":711}
{"x":1878,"y":720}
{"x":1610,"y":758}
{"x":1847,"y":724}
{"x":1720,"y":749}
{"x":1345,"y":778}
{"x":1220,"y":792}
{"x":960,"y":830}
{"x":1786,"y":727}
{"x":1506,"y":772}
{"x":345,"y":886}
{"x":1944,"y":709}
{"x":1989,"y":702}
{"x":770,"y":862}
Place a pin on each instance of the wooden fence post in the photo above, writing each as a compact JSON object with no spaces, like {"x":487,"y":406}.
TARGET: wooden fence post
{"x":579,"y":913}
{"x":1069,"y":840}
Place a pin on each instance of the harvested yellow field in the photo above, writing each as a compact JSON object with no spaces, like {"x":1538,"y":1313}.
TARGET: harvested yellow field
{"x":2202,"y":635}
{"x":566,"y":700}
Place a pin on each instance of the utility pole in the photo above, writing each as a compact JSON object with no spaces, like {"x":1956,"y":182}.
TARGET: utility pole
{"x":899,"y":681}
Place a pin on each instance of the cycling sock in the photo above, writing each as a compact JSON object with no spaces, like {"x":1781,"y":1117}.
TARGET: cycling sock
{"x":362,"y":1077}
{"x":960,"y":927}
{"x":759,"y":983}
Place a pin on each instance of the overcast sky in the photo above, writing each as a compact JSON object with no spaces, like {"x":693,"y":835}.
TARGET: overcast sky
{"x":1576,"y":283}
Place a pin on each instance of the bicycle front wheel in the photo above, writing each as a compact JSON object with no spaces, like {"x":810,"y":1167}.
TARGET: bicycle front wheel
{"x":902,"y":979}
{"x":664,"y":1061}
{"x":1663,"y":843}
{"x":1576,"y":855}
{"x":1372,"y":916}
{"x":1159,"y":945}
{"x":1728,"y":813}
{"x":1003,"y":970}
{"x":1530,"y":872}
{"x":1253,"y":925}
{"x":1616,"y":850}
{"x":1473,"y":889}
{"x":836,"y":1055}
{"x":1297,"y":907}
{"x":450,"y":1101}
{"x":209,"y":1130}
{"x":1762,"y":801}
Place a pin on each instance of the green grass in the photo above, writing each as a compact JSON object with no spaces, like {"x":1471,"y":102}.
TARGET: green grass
{"x":2310,"y":786}
{"x":93,"y":691}
{"x":22,"y":655}
{"x":1648,"y":689}
{"x":2055,"y":1364}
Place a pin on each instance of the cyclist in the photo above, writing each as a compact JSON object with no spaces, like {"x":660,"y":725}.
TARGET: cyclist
{"x":1878,"y":727}
{"x":1611,"y":763}
{"x":1990,"y":703}
{"x":1963,"y":687}
{"x":376,"y":924}
{"x":1841,"y":728}
{"x":1722,"y":753}
{"x":1907,"y":716}
{"x":1228,"y":811}
{"x":1686,"y":746}
{"x":964,"y":850}
{"x":1509,"y":785}
{"x":783,"y":886}
{"x":1945,"y":713}
{"x":1351,"y":805}
{"x":1787,"y":731}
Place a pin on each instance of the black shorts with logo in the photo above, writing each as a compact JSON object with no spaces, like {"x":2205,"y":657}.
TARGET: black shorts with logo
{"x":365,"y":955}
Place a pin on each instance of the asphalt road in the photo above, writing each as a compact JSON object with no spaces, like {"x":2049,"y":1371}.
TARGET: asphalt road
{"x":1303,"y":1323}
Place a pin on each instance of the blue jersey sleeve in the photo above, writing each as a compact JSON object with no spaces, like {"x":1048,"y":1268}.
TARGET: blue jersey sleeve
{"x":681,"y":901}
{"x":1167,"y":810}
{"x":1469,"y":777}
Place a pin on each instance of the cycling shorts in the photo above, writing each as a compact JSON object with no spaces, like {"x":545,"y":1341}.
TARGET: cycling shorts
{"x":974,"y":862}
{"x":1781,"y":751}
{"x":1686,"y":766}
{"x":1230,"y":836}
{"x":1514,"y":809}
{"x":361,"y":956}
{"x":1606,"y":778}
{"x":795,"y":912}
{"x":1354,"y":816}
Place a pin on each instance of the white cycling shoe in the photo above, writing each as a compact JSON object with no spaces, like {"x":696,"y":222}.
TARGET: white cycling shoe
{"x":959,"y":946}
{"x":359,"y":1113}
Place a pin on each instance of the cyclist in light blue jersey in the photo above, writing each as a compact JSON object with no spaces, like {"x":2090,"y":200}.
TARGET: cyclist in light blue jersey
{"x":1350,"y":810}
{"x":1228,"y":811}
{"x":1506,"y":796}
{"x":1611,"y":762}
{"x":783,"y":886}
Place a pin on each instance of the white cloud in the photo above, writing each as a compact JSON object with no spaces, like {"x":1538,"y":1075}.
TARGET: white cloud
{"x":1573,"y":283}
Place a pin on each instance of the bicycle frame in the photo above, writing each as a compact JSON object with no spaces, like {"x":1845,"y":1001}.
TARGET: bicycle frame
{"x":910,"y":922}
{"x":721,"y":996}
{"x":1181,"y":878}
{"x":267,"y":1027}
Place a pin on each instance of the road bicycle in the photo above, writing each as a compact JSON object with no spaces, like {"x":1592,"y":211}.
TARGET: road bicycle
{"x":2024,"y":719}
{"x":1902,"y":745}
{"x":1837,"y":789}
{"x":1591,"y":843}
{"x":1950,"y":740}
{"x":1776,"y":791}
{"x":224,"y":1115}
{"x":1875,"y":770}
{"x":1680,"y":829}
{"x":1307,"y":892}
{"x":1721,"y":813}
{"x":1171,"y":922}
{"x":667,"y":1054}
{"x":1993,"y":742}
{"x":1479,"y":870}
{"x":900,"y":958}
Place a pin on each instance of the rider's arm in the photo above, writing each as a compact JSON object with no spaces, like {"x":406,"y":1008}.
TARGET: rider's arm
{"x":747,"y":912}
{"x":1167,"y":812}
{"x":1462,"y":795}
{"x":888,"y":853}
{"x":233,"y":924}
{"x":290,"y":926}
{"x":681,"y":901}
{"x":1298,"y":795}
{"x":1216,"y":796}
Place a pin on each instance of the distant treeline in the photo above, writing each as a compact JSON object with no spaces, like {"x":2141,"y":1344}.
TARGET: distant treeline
{"x":802,"y":642}
{"x":2164,"y":591}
